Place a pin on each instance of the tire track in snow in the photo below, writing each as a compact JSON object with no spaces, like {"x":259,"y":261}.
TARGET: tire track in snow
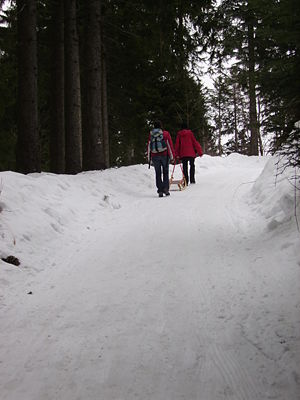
{"x":235,"y":376}
{"x":237,"y":381}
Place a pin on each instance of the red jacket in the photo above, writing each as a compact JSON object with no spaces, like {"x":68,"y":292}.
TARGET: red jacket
{"x":186,"y":145}
{"x":170,"y":151}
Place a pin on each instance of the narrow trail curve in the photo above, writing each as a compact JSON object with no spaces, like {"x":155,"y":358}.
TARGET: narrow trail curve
{"x":143,"y":322}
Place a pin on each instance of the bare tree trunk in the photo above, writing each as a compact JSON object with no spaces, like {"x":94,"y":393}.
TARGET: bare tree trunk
{"x":252,"y":92}
{"x":72,"y":91}
{"x":219,"y":124}
{"x":105,"y":110}
{"x":244,"y":133}
{"x":261,"y":147}
{"x":236,"y":140}
{"x":57,"y":139}
{"x":93,"y":151}
{"x":28,"y":148}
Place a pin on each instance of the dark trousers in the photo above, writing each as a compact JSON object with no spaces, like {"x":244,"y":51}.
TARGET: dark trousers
{"x":185,"y":161}
{"x":161,"y":166}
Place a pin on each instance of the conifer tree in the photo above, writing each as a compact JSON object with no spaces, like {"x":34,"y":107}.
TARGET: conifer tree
{"x":73,"y":123}
{"x":104,"y":102}
{"x":237,"y":26}
{"x":57,"y":89}
{"x":28,"y":148}
{"x":93,"y":140}
{"x":279,"y":55}
{"x":147,"y":49}
{"x":8,"y":89}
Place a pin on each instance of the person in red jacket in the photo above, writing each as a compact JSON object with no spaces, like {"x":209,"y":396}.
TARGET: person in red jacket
{"x":160,"y":152}
{"x":187,"y":149}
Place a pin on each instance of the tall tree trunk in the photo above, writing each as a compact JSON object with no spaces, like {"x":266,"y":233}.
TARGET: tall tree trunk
{"x":93,"y":143}
{"x":72,"y":91}
{"x":252,"y":92}
{"x":105,"y":109}
{"x":28,"y":148}
{"x":236,"y":135}
{"x":261,"y":147}
{"x":181,"y":62}
{"x":244,"y":135}
{"x":57,"y":138}
{"x":219,"y":124}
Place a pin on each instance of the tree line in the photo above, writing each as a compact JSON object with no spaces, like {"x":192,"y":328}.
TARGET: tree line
{"x":81,"y":82}
{"x":256,"y":98}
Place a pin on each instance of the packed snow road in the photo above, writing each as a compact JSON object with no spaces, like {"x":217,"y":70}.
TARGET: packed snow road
{"x":188,"y":297}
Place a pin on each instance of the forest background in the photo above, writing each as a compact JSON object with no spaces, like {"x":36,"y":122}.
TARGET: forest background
{"x":81,"y":82}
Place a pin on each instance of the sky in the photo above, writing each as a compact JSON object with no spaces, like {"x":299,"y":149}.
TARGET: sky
{"x":121,"y":294}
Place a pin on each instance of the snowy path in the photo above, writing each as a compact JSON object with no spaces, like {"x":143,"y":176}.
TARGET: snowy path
{"x":162,"y":299}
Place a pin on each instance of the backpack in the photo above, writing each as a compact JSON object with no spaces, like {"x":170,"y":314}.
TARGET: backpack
{"x":157,"y":141}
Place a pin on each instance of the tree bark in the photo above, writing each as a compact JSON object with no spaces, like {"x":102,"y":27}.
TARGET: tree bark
{"x":252,"y":92}
{"x":219,"y":121}
{"x":72,"y":92}
{"x":93,"y":143}
{"x":261,"y":147}
{"x":57,"y":90}
{"x":105,"y":128}
{"x":236,"y":134}
{"x":28,"y":148}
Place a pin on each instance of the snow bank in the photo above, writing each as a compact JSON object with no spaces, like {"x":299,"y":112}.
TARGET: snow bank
{"x":40,"y":210}
{"x":37,"y":210}
{"x":275,"y":196}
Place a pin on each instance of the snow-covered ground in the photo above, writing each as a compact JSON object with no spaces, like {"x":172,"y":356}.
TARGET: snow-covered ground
{"x":121,"y":295}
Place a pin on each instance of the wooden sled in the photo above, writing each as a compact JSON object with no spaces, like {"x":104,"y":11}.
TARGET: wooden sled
{"x":177,"y":184}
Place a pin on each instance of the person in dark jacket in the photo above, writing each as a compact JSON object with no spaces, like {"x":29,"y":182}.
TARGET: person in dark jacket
{"x":187,"y":149}
{"x":160,"y":155}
